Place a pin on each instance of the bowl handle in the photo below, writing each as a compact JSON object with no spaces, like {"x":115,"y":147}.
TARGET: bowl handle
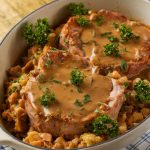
{"x":6,"y":139}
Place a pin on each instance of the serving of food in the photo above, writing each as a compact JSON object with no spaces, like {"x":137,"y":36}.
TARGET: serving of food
{"x":81,"y":83}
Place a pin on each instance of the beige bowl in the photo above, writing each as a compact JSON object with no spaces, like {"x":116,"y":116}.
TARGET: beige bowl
{"x":13,"y":46}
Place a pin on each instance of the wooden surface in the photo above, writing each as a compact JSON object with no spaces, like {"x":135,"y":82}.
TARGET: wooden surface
{"x":11,"y":11}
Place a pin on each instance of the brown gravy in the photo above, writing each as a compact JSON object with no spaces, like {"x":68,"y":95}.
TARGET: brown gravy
{"x":91,"y":37}
{"x":96,"y":86}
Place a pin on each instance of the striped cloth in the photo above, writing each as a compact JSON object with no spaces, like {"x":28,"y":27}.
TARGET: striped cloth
{"x":142,"y":143}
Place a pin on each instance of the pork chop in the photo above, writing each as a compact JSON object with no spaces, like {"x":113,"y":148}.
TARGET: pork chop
{"x":74,"y":106}
{"x":94,"y":41}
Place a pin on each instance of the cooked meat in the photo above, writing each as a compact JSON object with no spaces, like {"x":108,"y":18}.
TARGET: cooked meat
{"x":81,"y":83}
{"x":70,"y":37}
{"x":98,"y":41}
{"x":74,"y":106}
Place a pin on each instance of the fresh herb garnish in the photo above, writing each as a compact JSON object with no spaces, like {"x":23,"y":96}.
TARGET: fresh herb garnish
{"x":76,"y":77}
{"x":66,"y":41}
{"x":82,"y":21}
{"x":104,"y":125}
{"x":48,"y":63}
{"x":99,"y":21}
{"x":113,"y":39}
{"x":123,"y":66}
{"x":79,"y":89}
{"x":126,"y":84}
{"x":78,"y":103}
{"x":47,"y":98}
{"x":13,"y":89}
{"x":142,"y":89}
{"x":43,"y":88}
{"x":115,"y":25}
{"x":105,"y":34}
{"x":56,"y":81}
{"x":111,"y":49}
{"x":54,"y":49}
{"x":86,"y":99}
{"x":126,"y":34}
{"x":77,"y":9}
{"x":41,"y":78}
{"x":37,"y":33}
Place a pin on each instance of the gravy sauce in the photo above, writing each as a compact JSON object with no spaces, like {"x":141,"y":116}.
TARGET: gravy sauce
{"x":127,"y":51}
{"x":97,"y":87}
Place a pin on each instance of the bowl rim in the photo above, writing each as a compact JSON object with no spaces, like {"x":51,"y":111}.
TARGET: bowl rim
{"x":84,"y":148}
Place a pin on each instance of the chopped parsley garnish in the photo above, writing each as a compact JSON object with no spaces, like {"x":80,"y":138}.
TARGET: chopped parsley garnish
{"x":126,"y":84}
{"x":79,"y":89}
{"x":41,"y":78}
{"x":77,"y":9}
{"x":105,"y":34}
{"x":48,"y":63}
{"x":43,"y":88}
{"x":86,"y":99}
{"x":104,"y":125}
{"x":113,"y":39}
{"x":56,"y":81}
{"x":82,"y":21}
{"x":115,"y":25}
{"x":142,"y":89}
{"x":99,"y":21}
{"x":37,"y":33}
{"x":123,"y":66}
{"x":54,"y":49}
{"x":78,"y":103}
{"x":76,"y":77}
{"x":48,"y":98}
{"x":126,"y":34}
{"x":66,"y":41}
{"x":111,"y":49}
{"x":12,"y":90}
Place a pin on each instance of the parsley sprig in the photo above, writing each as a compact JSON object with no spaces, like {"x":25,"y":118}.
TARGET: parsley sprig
{"x":99,"y":21}
{"x":123,"y":66}
{"x":77,"y":9}
{"x":111,"y":49}
{"x":47,"y":98}
{"x":113,"y":39}
{"x":126,"y":34}
{"x":76,"y":77}
{"x":104,"y":125}
{"x":142,"y":89}
{"x":37,"y":33}
{"x":82,"y":21}
{"x":85,"y":100}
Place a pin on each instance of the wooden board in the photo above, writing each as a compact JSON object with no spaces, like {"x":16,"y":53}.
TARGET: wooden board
{"x":11,"y":11}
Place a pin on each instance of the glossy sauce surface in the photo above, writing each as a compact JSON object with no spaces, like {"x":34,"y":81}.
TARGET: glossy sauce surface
{"x":92,"y":38}
{"x":58,"y":81}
